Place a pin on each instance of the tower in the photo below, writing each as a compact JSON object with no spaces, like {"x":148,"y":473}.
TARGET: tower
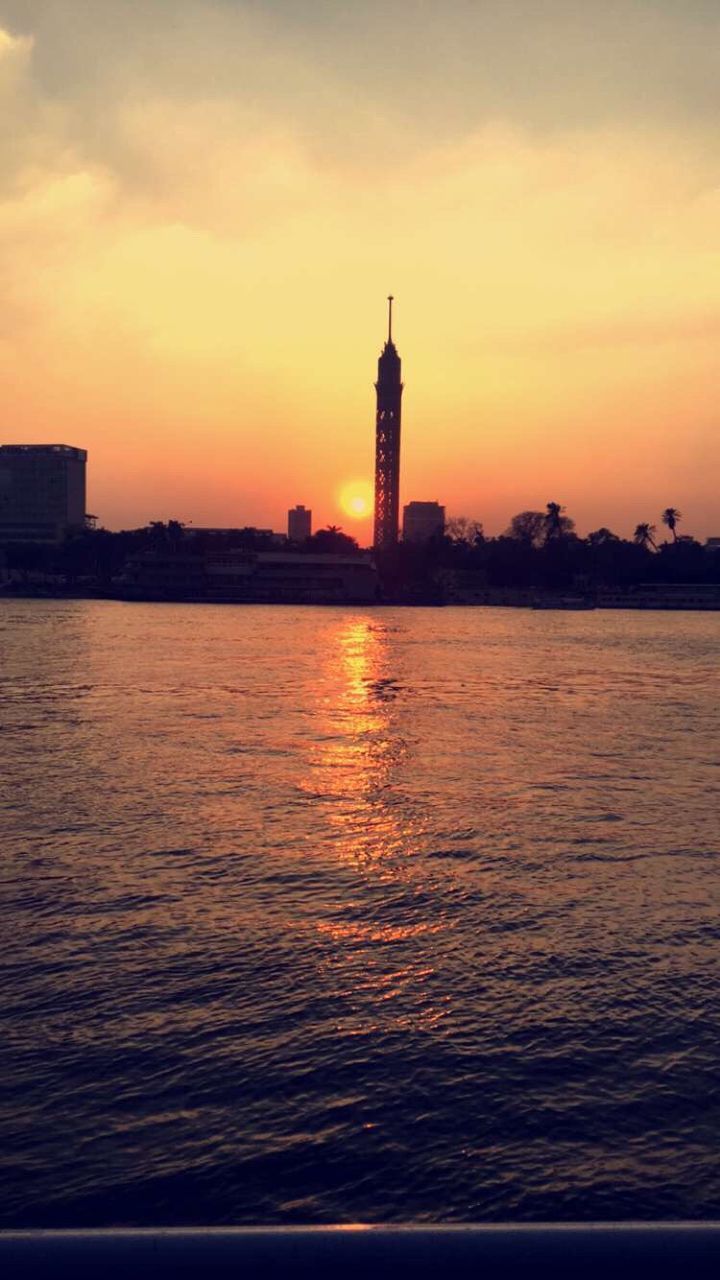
{"x":389,"y":390}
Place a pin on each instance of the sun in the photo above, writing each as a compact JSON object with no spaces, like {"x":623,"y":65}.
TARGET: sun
{"x":356,"y":499}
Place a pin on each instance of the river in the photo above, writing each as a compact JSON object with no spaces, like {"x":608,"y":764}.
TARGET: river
{"x":326,"y":914}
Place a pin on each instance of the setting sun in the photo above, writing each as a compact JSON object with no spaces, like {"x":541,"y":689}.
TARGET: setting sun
{"x":356,"y":499}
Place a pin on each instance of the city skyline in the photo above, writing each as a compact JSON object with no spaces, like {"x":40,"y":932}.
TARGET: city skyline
{"x":194,"y":270}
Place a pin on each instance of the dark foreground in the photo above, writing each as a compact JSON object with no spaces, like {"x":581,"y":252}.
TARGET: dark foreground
{"x":558,"y":1250}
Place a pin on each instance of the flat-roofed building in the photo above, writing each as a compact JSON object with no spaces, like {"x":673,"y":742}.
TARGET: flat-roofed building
{"x":253,"y":577}
{"x":299,"y":524}
{"x":42,"y":491}
{"x":422,"y":521}
{"x":662,"y":595}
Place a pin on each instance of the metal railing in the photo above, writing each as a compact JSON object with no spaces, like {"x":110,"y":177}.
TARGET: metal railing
{"x":611,"y":1250}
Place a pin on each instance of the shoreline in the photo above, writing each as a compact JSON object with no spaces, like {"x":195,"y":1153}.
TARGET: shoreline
{"x":507,"y":599}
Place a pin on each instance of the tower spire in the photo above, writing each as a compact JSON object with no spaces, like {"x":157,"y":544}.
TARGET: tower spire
{"x":390,"y":302}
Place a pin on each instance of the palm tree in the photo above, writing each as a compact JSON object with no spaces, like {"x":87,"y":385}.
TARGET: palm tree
{"x":670,"y":517}
{"x":554,"y":523}
{"x":644,"y":536}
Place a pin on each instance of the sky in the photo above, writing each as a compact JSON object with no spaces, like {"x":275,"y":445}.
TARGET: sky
{"x":204,"y":203}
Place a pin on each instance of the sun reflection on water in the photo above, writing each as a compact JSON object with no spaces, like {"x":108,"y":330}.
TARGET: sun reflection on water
{"x":361,"y":744}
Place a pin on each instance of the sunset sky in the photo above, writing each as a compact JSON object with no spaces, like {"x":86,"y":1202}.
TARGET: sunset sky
{"x":203,"y":204}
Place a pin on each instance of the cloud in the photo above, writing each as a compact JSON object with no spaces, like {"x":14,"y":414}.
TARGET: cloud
{"x":14,"y":47}
{"x":202,"y":207}
{"x":581,"y":226}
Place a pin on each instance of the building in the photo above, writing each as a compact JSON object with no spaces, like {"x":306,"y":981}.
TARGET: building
{"x":42,"y":491}
{"x":661,"y":595}
{"x":299,"y":524}
{"x":422,"y":521}
{"x":389,"y":389}
{"x":235,"y":576}
{"x":247,"y":531}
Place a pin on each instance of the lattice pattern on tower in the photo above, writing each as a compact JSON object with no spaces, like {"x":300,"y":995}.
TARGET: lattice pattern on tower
{"x":389,"y":390}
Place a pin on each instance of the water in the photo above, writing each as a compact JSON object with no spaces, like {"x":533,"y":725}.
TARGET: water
{"x":324,"y":915}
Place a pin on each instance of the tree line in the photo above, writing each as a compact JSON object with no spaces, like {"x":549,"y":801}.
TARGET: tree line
{"x":538,"y":550}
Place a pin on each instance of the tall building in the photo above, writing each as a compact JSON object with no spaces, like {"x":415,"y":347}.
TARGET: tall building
{"x":422,"y":521}
{"x":389,"y":390}
{"x":42,"y":491}
{"x":299,"y":524}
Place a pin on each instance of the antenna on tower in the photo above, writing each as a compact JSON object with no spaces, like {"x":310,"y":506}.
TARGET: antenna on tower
{"x":390,"y":302}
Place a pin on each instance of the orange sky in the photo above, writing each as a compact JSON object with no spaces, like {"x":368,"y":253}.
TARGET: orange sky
{"x":204,"y":203}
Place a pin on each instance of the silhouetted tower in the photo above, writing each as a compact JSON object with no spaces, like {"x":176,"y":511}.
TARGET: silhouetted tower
{"x":389,"y":390}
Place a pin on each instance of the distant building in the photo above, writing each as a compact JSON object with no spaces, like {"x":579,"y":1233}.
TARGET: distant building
{"x":662,"y":595}
{"x":712,"y":544}
{"x":237,"y":576}
{"x":299,"y":524}
{"x":42,"y":491}
{"x":277,"y":539}
{"x":422,"y":521}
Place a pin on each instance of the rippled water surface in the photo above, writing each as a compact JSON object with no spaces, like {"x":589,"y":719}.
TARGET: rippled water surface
{"x":322,"y":914}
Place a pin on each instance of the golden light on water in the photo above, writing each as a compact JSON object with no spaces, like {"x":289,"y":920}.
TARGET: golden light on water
{"x":355,"y":767}
{"x":359,"y":746}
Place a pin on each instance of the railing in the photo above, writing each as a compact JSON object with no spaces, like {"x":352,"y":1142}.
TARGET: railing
{"x":685,"y":1251}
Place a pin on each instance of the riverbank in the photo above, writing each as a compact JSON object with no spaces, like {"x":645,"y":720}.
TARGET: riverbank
{"x":673,"y":597}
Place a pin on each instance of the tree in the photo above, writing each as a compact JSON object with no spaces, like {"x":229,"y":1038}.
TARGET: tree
{"x":556,"y":525}
{"x":528,"y":527}
{"x":461,"y":529}
{"x":157,"y":533}
{"x":331,"y":540}
{"x":681,"y":561}
{"x":600,"y":537}
{"x":644,"y":536}
{"x":671,"y":516}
